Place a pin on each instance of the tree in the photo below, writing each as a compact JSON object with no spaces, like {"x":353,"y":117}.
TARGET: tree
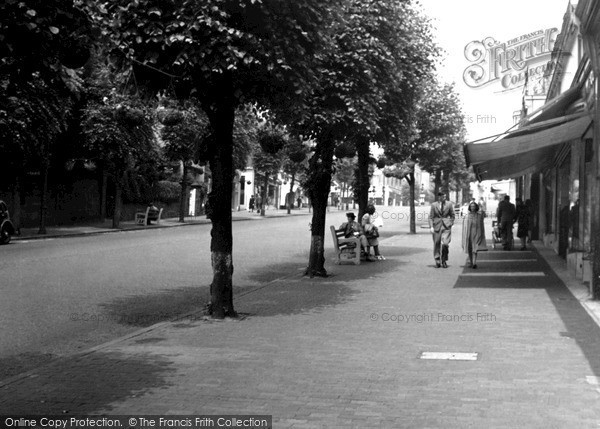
{"x":344,"y":174}
{"x":224,"y":52}
{"x":268,"y":159}
{"x":32,"y":120}
{"x":406,"y":170}
{"x":366,"y":88}
{"x":184,"y":129}
{"x":41,"y":46}
{"x":436,"y":133}
{"x":407,"y":36}
{"x":118,"y":132}
{"x":294,"y":164}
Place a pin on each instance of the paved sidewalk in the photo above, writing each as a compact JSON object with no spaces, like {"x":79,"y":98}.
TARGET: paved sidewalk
{"x":345,"y":351}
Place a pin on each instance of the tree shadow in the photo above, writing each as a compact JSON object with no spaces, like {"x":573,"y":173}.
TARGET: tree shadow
{"x":16,"y":364}
{"x":85,"y":384}
{"x":285,"y":290}
{"x":272,"y":289}
{"x":149,"y":309}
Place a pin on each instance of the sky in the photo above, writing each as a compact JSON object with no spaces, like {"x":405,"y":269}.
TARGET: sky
{"x":488,"y":110}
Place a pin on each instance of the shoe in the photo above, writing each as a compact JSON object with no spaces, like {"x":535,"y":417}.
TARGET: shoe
{"x":380,"y":258}
{"x":474,"y":266}
{"x":444,"y":265}
{"x":371,"y":258}
{"x":437,"y":264}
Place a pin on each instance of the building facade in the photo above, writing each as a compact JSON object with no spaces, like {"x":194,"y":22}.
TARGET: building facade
{"x":554,"y":153}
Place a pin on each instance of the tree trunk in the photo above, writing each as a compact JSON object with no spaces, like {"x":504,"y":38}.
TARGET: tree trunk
{"x":44,"y":198}
{"x":264,"y":194}
{"x":15,"y":215}
{"x":221,"y":116}
{"x":437,"y":184}
{"x":316,"y":262}
{"x":446,"y":182}
{"x":410,"y":178}
{"x":118,"y":201}
{"x":362,"y":149}
{"x":290,"y":199}
{"x":183,"y":196}
{"x":104,"y":185}
{"x":318,"y":186}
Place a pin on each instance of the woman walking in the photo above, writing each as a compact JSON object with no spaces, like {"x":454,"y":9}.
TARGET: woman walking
{"x":473,"y":234}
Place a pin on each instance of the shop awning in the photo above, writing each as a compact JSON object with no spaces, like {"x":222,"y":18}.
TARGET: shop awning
{"x":556,"y":107}
{"x":525,"y":150}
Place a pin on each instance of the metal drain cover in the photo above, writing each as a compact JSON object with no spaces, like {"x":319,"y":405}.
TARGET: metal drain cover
{"x":448,"y":356}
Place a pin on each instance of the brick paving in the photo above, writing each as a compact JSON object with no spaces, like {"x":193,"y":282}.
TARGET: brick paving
{"x":344,"y":352}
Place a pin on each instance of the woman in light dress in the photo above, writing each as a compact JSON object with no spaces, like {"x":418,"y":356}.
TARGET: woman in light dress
{"x":473,"y":233}
{"x":372,"y":233}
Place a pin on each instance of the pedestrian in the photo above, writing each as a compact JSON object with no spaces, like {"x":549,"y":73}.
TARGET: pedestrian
{"x":522,"y":216}
{"x":299,"y":201}
{"x":473,"y":233}
{"x":482,"y":206}
{"x":372,"y":233}
{"x":251,"y":204}
{"x":258,"y":203}
{"x":529,"y":206}
{"x":441,"y":220}
{"x":505,"y":213}
{"x":574,"y":223}
{"x":152,"y":213}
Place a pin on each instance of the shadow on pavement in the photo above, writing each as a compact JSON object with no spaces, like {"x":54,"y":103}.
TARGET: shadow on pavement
{"x":13,"y":365}
{"x":578,"y":323}
{"x":286,"y":291}
{"x":86,"y":384}
{"x":148,"y":309}
{"x":293,"y":296}
{"x":278,"y":289}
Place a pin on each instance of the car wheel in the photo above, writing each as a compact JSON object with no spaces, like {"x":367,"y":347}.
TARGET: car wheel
{"x":4,"y":237}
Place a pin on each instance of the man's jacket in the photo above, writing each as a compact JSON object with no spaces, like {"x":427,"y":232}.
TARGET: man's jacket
{"x":441,"y":217}
{"x":506,"y":211}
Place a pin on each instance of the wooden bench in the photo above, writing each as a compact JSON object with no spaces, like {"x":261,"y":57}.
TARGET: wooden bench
{"x":142,"y":218}
{"x":348,"y":249}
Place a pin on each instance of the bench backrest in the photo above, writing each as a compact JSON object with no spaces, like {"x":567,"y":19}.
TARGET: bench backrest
{"x":336,"y":236}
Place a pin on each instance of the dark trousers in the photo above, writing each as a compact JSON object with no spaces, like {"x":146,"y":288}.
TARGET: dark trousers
{"x":441,"y":241}
{"x":506,"y":232}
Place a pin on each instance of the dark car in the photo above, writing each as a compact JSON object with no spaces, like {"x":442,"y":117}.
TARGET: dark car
{"x":7,"y":229}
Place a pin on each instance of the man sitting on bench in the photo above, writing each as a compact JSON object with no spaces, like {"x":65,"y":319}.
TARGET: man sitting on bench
{"x":352,"y":228}
{"x":152,"y":213}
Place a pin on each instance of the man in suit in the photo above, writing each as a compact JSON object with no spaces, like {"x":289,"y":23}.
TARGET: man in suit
{"x":505,"y":213}
{"x":441,"y":219}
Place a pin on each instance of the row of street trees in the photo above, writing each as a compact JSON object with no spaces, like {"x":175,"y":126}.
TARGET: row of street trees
{"x":297,"y":83}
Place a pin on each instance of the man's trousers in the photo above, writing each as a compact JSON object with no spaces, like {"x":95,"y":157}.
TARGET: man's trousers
{"x":441,"y":241}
